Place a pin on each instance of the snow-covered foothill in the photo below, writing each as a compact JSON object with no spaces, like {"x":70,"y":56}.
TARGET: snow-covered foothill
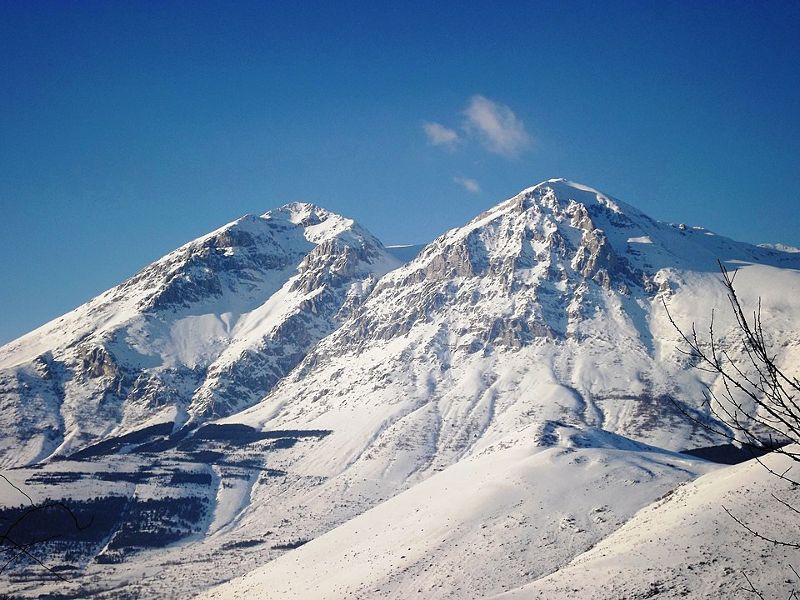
{"x":690,"y":545}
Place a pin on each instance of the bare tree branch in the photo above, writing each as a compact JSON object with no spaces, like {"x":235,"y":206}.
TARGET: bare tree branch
{"x":754,"y":403}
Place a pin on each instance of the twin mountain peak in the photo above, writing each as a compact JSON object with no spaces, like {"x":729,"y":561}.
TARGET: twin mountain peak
{"x":284,"y":300}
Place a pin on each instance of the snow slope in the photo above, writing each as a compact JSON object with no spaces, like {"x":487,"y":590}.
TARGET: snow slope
{"x":202,"y":332}
{"x":512,"y":512}
{"x":687,"y":546}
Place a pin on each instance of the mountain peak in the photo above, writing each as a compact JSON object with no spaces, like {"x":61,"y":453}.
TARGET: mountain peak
{"x":565,"y":190}
{"x":300,"y":213}
{"x":319,"y":223}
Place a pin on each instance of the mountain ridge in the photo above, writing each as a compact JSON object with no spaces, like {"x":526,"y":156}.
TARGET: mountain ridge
{"x":530,"y":343}
{"x":153,"y":338}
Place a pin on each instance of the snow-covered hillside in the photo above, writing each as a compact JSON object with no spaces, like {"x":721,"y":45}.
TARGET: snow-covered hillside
{"x":490,"y":522}
{"x":687,"y":546}
{"x":202,"y":332}
{"x":549,"y":307}
{"x":458,"y":426}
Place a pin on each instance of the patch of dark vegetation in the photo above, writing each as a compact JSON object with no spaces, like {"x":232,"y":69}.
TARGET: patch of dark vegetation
{"x":209,"y":443}
{"x":181,"y":477}
{"x":207,"y":457}
{"x":192,"y":445}
{"x":253,"y":465}
{"x":115,"y":444}
{"x":109,"y":558}
{"x":56,"y":478}
{"x":36,"y":466}
{"x":248,"y":464}
{"x":158,"y":446}
{"x":273,"y":473}
{"x":282,"y":443}
{"x":231,"y":433}
{"x":66,"y":533}
{"x":238,"y":434}
{"x":62,"y":532}
{"x":135,"y":477}
{"x":728,"y":454}
{"x":155,"y":523}
{"x":290,"y":545}
{"x":242,"y":544}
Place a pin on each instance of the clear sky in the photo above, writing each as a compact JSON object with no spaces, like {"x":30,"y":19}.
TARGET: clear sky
{"x":127,"y":129}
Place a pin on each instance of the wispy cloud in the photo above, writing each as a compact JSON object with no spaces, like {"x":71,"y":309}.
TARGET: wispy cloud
{"x":500,"y":130}
{"x":468,"y":184}
{"x":439,"y":135}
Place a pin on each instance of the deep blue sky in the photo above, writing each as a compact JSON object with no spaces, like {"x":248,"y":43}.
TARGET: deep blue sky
{"x":127,"y":129}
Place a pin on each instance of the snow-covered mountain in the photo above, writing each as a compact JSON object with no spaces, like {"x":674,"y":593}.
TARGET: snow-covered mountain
{"x":542,"y":322}
{"x":204,"y":331}
{"x":458,"y":426}
{"x":549,"y":307}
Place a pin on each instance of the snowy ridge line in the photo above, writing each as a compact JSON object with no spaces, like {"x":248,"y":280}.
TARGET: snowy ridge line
{"x":493,"y":408}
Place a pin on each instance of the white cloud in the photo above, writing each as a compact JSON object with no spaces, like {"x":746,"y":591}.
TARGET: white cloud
{"x":500,"y":130}
{"x":439,"y":135}
{"x":468,"y":184}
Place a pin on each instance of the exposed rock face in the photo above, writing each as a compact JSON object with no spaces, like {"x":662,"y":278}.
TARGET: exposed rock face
{"x":97,"y":363}
{"x":536,"y":251}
